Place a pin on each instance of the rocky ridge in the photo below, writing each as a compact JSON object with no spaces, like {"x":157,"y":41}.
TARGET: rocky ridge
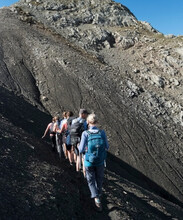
{"x":95,"y":54}
{"x":82,"y":22}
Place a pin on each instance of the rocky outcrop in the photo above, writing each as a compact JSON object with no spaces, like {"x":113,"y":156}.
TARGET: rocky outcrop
{"x":95,"y":54}
{"x":83,"y":22}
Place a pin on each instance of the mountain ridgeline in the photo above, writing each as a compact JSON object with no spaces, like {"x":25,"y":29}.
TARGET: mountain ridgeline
{"x":64,"y":55}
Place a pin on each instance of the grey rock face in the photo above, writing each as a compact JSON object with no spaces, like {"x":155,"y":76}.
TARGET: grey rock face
{"x":82,"y":22}
{"x":148,"y":26}
{"x":95,"y":54}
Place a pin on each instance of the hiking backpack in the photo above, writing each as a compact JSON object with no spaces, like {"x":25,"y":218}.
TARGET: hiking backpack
{"x":69,"y":123}
{"x":77,"y":128}
{"x":96,"y":153}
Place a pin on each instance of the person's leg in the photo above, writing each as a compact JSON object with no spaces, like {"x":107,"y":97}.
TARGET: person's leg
{"x":75,"y":155}
{"x":58,"y":143}
{"x":69,"y":153}
{"x":69,"y":156}
{"x":90,"y":176}
{"x":84,"y":171}
{"x":72,"y":154}
{"x":78,"y":163}
{"x":77,"y":158}
{"x":65,"y":151}
{"x":99,"y":178}
{"x":80,"y":160}
{"x":53,"y":141}
{"x":73,"y":143}
{"x":64,"y":146}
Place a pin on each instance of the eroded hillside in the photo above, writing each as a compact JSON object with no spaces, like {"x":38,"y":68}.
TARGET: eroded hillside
{"x":35,"y":184}
{"x":67,"y":55}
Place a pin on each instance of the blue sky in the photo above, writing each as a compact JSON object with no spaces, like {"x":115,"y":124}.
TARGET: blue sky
{"x":164,"y":15}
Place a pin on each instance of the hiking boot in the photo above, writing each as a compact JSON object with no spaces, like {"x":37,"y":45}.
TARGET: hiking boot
{"x":98,"y":204}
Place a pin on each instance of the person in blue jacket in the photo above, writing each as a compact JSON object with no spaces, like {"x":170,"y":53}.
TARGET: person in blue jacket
{"x":94,"y":170}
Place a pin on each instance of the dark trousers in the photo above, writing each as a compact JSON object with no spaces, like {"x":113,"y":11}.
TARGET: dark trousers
{"x":53,"y":141}
{"x":95,"y":177}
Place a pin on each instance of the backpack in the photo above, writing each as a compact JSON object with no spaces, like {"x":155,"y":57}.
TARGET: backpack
{"x":67,"y":132}
{"x":69,"y":123}
{"x":77,"y":128}
{"x":96,"y":153}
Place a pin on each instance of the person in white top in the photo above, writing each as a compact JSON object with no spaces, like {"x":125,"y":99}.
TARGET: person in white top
{"x":51,"y":128}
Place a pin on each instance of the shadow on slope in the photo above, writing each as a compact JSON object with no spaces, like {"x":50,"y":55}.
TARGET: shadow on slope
{"x":22,"y":114}
{"x":126,"y":171}
{"x":125,"y":199}
{"x":35,"y":184}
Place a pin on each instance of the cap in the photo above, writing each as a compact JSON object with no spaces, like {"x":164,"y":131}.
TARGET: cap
{"x":83,"y":111}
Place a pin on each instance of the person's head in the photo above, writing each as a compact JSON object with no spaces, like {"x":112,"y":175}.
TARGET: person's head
{"x":83,"y":113}
{"x":69,"y":114}
{"x":64,"y":114}
{"x":92,"y":119}
{"x":54,"y":119}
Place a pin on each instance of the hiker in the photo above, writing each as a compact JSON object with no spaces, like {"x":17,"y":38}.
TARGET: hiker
{"x":94,"y":145}
{"x":78,"y":126}
{"x":63,"y":120}
{"x":58,"y":138}
{"x":65,"y":134}
{"x":61,"y":133}
{"x":67,"y":126}
{"x":52,"y":129}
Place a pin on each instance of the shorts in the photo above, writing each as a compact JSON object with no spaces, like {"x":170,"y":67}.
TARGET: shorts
{"x":68,"y":147}
{"x":74,"y":142}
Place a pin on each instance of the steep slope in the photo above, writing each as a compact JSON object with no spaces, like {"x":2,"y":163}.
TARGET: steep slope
{"x":123,"y":69}
{"x":35,"y":184}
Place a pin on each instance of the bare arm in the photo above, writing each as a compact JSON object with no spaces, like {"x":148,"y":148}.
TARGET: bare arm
{"x":62,"y":128}
{"x":46,"y":131}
